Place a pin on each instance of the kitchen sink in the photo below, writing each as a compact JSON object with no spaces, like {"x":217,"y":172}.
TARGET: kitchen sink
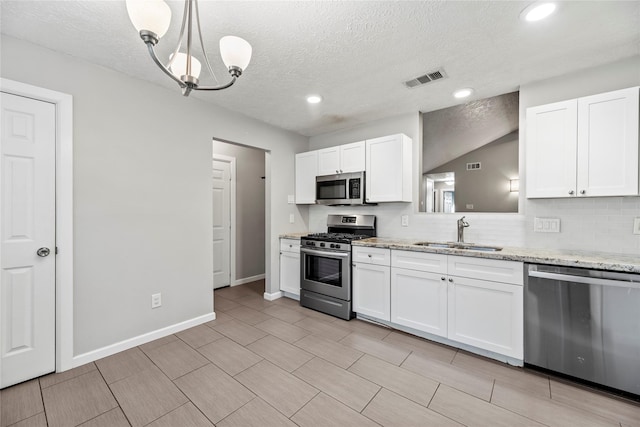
{"x":456,"y":245}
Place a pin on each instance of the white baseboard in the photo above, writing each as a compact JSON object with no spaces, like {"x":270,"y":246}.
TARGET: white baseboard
{"x":99,"y":353}
{"x":248,"y":279}
{"x":273,"y":296}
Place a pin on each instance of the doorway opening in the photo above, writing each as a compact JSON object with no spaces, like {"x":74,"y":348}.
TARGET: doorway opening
{"x":239,"y":214}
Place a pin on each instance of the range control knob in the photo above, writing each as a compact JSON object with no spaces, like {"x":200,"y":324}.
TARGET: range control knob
{"x":337,"y":246}
{"x":322,"y":245}
{"x":332,"y":246}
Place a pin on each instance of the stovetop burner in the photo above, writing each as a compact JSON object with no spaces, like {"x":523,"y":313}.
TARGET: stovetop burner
{"x":336,"y":237}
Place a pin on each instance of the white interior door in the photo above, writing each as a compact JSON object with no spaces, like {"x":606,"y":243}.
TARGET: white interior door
{"x":222,"y":169}
{"x":27,"y":239}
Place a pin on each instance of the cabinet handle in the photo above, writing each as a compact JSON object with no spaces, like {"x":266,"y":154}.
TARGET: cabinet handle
{"x":583,"y":192}
{"x":571,"y":192}
{"x":451,"y":280}
{"x":337,"y":171}
{"x":369,"y":255}
{"x":442,"y":278}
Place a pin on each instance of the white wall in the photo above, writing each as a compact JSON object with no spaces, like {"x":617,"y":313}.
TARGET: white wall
{"x":142,"y":193}
{"x":598,"y":224}
{"x":250,"y":207}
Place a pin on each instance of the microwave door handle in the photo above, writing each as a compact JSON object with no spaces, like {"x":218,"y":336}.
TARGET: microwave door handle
{"x":327,"y":254}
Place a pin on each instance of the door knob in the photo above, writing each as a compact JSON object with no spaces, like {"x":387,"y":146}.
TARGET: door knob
{"x":43,"y":252}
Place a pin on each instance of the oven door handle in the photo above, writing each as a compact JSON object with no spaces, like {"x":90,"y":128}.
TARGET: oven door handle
{"x":326,"y":254}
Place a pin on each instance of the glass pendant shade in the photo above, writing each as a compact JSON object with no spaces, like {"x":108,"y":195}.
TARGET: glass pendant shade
{"x":235,"y":52}
{"x":150,"y":15}
{"x":179,"y":65}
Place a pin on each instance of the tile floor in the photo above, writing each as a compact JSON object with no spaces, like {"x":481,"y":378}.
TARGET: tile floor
{"x":265,"y":364}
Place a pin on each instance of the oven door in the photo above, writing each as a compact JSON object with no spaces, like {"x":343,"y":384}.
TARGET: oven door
{"x":326,"y":272}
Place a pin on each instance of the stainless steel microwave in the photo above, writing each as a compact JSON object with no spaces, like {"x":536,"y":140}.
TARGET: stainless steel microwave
{"x":341,"y":189}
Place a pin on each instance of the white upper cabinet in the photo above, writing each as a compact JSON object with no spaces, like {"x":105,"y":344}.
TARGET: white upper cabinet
{"x":306,"y":171}
{"x":342,"y":159}
{"x":388,"y":169}
{"x":584,"y":147}
{"x":352,"y":157}
{"x":329,"y":161}
{"x":608,"y":144}
{"x":551,"y":149}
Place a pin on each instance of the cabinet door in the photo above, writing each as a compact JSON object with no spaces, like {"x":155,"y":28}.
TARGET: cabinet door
{"x":551,"y":146}
{"x":290,"y":272}
{"x":388,"y":169}
{"x":486,"y":315}
{"x":306,"y":171}
{"x":329,"y":161}
{"x":608,"y":144}
{"x":419,"y":300}
{"x":352,"y":157}
{"x":372,"y":290}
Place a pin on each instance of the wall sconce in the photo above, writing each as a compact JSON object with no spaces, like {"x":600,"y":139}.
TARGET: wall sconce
{"x":514,"y":185}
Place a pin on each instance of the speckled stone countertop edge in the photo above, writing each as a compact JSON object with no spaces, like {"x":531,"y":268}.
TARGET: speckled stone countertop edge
{"x":295,"y":236}
{"x":567,"y":258}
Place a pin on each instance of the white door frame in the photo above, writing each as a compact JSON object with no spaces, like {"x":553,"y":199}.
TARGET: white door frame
{"x":232,"y":218}
{"x":64,"y":212}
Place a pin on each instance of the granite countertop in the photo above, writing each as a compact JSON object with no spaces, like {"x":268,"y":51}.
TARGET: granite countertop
{"x":568,"y":258}
{"x":294,"y":235}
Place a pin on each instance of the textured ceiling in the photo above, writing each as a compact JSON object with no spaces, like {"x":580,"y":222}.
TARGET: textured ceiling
{"x":356,"y":54}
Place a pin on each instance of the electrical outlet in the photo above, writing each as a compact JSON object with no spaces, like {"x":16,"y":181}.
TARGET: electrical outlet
{"x":636,"y":225}
{"x":405,"y":220}
{"x":469,"y":206}
{"x":156,"y":300}
{"x":292,"y":218}
{"x":546,"y":225}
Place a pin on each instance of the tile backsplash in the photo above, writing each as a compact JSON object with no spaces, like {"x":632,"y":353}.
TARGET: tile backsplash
{"x":594,"y":224}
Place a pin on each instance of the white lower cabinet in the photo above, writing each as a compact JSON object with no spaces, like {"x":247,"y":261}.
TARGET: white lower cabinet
{"x":371,"y":276}
{"x":487,"y":315}
{"x":419,"y":300}
{"x":290,"y":266}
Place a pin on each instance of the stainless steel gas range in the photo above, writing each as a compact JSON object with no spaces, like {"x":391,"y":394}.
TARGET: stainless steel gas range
{"x":325,"y":264}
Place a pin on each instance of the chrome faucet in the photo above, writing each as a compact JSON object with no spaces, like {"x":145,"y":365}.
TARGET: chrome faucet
{"x":461,"y":226}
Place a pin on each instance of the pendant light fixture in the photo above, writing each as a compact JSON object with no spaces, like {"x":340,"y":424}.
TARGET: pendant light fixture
{"x":152,"y":18}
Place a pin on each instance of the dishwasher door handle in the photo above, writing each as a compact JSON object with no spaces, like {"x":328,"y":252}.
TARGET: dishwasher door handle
{"x":585,"y":280}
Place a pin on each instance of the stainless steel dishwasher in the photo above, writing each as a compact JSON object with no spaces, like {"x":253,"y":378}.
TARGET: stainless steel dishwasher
{"x":585,"y":324}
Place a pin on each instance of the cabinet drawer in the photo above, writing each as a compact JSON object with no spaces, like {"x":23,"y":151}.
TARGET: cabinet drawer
{"x":420,"y":261}
{"x":289,"y":245}
{"x":494,"y":270}
{"x":369,"y":255}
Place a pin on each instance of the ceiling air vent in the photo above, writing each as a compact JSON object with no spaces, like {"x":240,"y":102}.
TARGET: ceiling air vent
{"x":474,"y":166}
{"x":426,"y":78}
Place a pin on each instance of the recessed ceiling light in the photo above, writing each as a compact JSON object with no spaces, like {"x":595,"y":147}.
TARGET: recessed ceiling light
{"x":314,"y":99}
{"x":463,"y":93}
{"x":537,"y":11}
